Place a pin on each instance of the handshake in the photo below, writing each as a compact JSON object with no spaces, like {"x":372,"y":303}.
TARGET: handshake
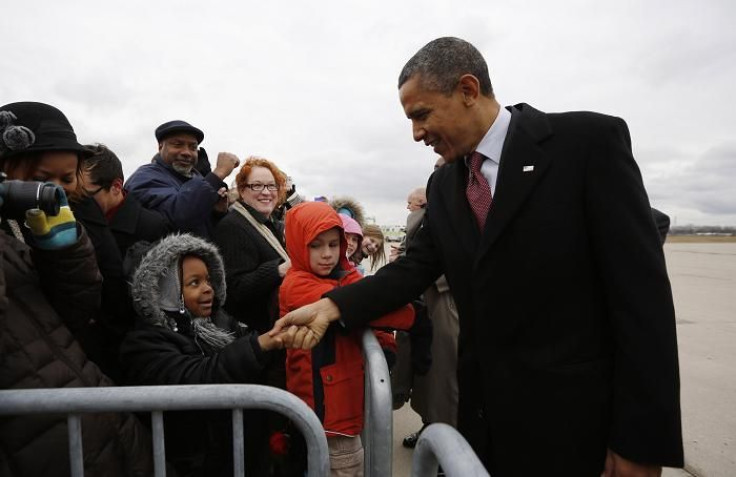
{"x":302,"y":328}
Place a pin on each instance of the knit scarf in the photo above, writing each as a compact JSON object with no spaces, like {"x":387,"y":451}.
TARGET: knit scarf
{"x":261,"y":229}
{"x":214,"y":336}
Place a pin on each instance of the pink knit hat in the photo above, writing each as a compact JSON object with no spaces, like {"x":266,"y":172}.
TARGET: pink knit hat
{"x":351,"y":226}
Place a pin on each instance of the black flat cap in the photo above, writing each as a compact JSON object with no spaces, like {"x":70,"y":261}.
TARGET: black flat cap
{"x":177,"y":126}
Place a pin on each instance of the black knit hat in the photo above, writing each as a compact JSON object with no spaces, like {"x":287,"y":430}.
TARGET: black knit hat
{"x":172,"y":127}
{"x":36,"y":127}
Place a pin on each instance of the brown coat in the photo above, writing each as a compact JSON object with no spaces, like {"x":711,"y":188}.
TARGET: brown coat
{"x":44,"y":294}
{"x":434,"y":396}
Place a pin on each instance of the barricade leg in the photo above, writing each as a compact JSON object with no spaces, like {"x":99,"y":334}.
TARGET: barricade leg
{"x":159,"y":449}
{"x":76,"y":457}
{"x":238,"y":444}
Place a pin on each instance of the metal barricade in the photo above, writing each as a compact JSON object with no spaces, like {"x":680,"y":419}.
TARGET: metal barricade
{"x":378,"y":419}
{"x":440,"y":442}
{"x":157,"y":399}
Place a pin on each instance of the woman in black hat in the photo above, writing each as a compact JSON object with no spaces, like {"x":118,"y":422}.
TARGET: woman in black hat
{"x":38,"y":143}
{"x":44,"y":296}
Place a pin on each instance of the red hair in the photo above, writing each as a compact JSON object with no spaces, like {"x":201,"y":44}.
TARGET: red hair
{"x":242,"y":178}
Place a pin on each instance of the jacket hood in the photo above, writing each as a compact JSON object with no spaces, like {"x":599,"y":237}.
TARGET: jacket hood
{"x":156,"y":284}
{"x":351,"y":226}
{"x":350,"y":207}
{"x":303,"y":223}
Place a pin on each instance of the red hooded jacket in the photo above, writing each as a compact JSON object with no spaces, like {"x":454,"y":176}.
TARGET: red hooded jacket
{"x":329,"y":377}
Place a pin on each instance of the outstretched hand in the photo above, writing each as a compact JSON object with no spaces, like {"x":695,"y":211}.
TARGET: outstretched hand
{"x":290,"y":337}
{"x":312,"y":321}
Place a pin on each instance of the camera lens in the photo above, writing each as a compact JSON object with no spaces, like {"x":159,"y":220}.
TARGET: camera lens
{"x":21,"y":196}
{"x":49,"y":197}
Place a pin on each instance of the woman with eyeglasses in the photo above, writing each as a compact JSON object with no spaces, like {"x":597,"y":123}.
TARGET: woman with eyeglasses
{"x":251,"y":241}
{"x":252,"y":245}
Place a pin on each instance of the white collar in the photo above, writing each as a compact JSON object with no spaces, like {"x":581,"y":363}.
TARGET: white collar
{"x":492,"y":143}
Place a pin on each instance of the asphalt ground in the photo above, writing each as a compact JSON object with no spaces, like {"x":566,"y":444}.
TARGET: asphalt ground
{"x":703,"y":277}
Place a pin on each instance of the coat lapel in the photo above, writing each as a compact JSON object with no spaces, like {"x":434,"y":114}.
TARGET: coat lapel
{"x":523,"y":163}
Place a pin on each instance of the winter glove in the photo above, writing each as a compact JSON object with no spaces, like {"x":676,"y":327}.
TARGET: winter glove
{"x":56,"y":231}
{"x":292,"y":197}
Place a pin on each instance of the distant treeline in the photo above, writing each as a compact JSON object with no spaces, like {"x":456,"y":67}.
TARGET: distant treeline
{"x":702,"y":230}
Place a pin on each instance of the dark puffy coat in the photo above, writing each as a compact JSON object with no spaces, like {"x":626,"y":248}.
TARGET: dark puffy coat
{"x":38,"y":351}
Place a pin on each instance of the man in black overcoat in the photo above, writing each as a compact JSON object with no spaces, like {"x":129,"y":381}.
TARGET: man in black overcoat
{"x":567,"y":351}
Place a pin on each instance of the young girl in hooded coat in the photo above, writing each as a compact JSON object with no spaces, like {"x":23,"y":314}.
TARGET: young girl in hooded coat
{"x":184,"y":337}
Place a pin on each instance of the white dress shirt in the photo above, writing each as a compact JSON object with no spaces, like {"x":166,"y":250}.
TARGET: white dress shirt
{"x":491,"y":146}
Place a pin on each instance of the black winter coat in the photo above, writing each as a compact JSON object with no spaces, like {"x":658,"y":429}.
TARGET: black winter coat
{"x":251,"y":270}
{"x":198,"y":443}
{"x":102,"y":341}
{"x":111,"y":240}
{"x":153,"y":355}
{"x":567,"y":340}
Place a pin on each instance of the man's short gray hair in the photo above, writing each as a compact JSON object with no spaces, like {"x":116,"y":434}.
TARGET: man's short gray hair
{"x":441,"y":62}
{"x":419,"y":193}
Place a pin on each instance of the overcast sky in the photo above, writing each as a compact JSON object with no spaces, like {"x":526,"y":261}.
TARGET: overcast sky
{"x":312,"y":85}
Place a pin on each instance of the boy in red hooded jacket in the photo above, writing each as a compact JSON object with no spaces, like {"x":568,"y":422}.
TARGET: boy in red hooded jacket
{"x":329,"y":377}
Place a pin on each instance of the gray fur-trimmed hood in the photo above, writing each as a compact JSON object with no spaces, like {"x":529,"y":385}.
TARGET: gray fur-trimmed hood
{"x":344,"y":204}
{"x":160,"y":265}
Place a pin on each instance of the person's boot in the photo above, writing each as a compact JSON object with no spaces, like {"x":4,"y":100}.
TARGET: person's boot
{"x":410,"y":441}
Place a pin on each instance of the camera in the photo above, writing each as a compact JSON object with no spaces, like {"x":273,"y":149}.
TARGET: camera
{"x":18,"y":196}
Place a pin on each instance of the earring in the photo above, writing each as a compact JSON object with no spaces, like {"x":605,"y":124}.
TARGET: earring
{"x":181,"y":304}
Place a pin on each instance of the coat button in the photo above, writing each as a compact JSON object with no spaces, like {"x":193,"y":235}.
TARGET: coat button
{"x":328,"y":378}
{"x":481,"y":414}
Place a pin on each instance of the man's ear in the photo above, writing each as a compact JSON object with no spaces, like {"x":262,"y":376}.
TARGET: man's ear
{"x":160,"y":145}
{"x":117,"y":186}
{"x":469,"y":87}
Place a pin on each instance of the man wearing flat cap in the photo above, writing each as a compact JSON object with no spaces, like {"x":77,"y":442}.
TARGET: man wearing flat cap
{"x":171,"y":184}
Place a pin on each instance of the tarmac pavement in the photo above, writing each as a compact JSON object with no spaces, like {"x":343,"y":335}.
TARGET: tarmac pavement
{"x":703,"y":277}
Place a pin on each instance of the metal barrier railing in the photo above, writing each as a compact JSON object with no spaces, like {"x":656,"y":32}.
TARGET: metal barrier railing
{"x":378,"y":420}
{"x":441,"y":442}
{"x":157,"y":399}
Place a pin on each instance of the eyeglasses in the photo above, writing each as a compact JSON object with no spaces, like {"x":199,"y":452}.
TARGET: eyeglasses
{"x":91,"y":193}
{"x":260,"y":187}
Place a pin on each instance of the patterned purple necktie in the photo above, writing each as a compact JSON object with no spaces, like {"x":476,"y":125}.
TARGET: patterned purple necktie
{"x":478,"y":190}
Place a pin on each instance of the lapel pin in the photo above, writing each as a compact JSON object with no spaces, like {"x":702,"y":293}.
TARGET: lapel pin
{"x":528,"y":168}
